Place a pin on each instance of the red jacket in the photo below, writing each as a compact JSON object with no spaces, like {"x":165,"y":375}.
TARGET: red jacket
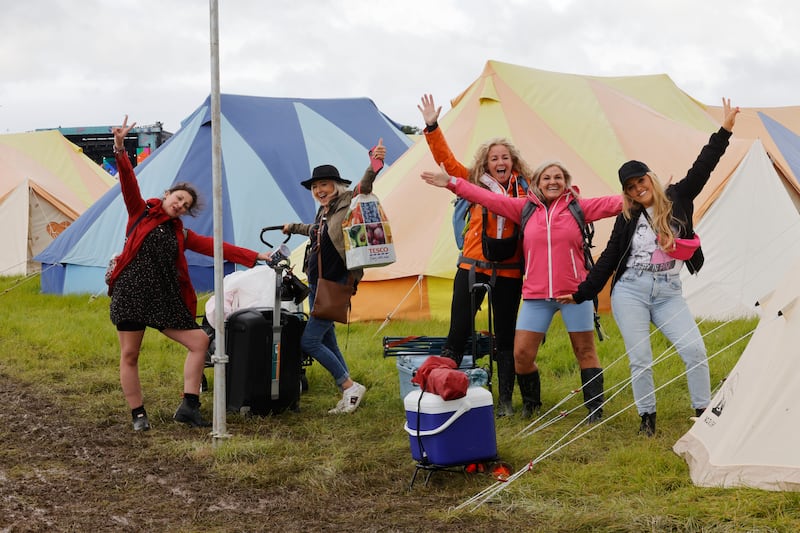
{"x":187,"y":240}
{"x":473,"y":246}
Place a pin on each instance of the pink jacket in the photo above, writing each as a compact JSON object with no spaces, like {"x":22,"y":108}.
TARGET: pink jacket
{"x":552,"y":244}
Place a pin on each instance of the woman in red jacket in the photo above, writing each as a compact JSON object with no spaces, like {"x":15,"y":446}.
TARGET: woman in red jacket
{"x":150,"y":285}
{"x":499,"y":168}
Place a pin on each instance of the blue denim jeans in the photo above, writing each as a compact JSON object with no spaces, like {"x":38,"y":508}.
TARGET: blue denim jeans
{"x":640,"y":298}
{"x":319,"y":341}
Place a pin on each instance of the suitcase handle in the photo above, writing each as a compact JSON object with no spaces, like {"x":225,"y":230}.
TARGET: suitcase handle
{"x":273,"y":228}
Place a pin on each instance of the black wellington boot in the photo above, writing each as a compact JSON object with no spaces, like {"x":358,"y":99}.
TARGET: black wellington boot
{"x":531,"y":388}
{"x":592,"y":380}
{"x":505,"y":383}
{"x":451,"y":354}
{"x":648,"y":425}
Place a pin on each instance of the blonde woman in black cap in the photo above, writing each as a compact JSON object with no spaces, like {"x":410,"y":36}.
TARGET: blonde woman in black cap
{"x":652,"y":238}
{"x":331,"y":191}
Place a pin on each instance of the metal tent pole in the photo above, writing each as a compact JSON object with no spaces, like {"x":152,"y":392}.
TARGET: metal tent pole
{"x":220,"y":358}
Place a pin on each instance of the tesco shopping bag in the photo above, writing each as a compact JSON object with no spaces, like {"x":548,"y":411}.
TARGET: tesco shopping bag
{"x":367,"y":235}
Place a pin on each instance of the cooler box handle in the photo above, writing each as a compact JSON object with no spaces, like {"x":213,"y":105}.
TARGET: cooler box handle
{"x":455,"y":416}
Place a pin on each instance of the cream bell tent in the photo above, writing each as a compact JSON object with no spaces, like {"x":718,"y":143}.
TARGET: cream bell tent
{"x":750,"y":235}
{"x":748,"y":435}
{"x":46,"y":182}
{"x":591,"y":124}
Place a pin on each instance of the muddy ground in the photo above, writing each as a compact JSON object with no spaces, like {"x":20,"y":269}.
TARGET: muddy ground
{"x":59,"y":472}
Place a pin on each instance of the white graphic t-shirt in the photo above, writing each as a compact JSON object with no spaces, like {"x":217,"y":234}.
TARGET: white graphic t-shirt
{"x":645,"y":252}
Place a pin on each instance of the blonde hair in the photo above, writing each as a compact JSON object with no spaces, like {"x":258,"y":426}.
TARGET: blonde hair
{"x":480,"y":163}
{"x":662,"y":211}
{"x":537,"y":175}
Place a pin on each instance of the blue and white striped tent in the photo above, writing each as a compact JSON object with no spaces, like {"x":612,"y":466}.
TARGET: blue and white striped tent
{"x":269,"y":145}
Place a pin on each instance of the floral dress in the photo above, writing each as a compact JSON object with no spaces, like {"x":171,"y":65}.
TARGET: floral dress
{"x":147,"y":290}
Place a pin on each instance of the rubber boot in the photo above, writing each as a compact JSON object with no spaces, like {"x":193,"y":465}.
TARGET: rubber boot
{"x":592,"y":380}
{"x":505,"y":383}
{"x":648,"y":425}
{"x":189,"y":412}
{"x":531,"y":388}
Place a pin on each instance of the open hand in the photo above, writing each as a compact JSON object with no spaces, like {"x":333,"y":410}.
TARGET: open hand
{"x":430,"y":113}
{"x":438,"y":179}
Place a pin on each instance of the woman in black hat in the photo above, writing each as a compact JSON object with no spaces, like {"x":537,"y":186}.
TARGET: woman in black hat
{"x":651,"y":240}
{"x":330,"y":190}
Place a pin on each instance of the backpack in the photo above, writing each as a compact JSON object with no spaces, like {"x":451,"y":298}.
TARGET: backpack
{"x":461,"y":219}
{"x":587,"y":232}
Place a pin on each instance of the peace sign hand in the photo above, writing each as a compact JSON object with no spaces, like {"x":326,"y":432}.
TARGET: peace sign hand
{"x":120,"y":132}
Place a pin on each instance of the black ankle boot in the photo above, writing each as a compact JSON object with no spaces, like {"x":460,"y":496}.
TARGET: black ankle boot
{"x":189,"y":413}
{"x":505,"y":383}
{"x":451,"y":354}
{"x":592,"y":381}
{"x":648,"y":425}
{"x":531,"y":388}
{"x":699,"y":412}
{"x":140,"y":421}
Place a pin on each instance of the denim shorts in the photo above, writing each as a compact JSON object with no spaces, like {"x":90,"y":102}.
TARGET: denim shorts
{"x":536,"y":315}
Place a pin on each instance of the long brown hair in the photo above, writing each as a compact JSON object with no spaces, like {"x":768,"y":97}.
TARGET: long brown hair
{"x":662,"y":211}
{"x":480,"y":163}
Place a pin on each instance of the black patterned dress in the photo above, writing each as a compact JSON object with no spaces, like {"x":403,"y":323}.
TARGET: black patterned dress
{"x":147,"y":290}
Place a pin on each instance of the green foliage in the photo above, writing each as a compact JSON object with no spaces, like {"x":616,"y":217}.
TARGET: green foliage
{"x":606,"y":479}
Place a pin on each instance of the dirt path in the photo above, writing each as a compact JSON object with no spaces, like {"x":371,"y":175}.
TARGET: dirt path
{"x":61,"y":473}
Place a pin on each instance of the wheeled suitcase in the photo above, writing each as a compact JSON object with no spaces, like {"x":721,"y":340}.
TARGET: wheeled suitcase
{"x":249,"y":345}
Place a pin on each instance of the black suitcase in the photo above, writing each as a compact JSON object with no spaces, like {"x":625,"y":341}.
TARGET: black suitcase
{"x":248,"y":343}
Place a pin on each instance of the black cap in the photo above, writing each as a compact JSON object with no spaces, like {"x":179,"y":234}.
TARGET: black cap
{"x":632,"y":169}
{"x":324,"y":172}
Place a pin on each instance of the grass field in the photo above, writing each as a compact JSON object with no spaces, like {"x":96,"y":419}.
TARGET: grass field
{"x":609,"y":479}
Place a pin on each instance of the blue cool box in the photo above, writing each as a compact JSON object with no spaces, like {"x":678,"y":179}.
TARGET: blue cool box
{"x":407,"y":365}
{"x":451,"y":432}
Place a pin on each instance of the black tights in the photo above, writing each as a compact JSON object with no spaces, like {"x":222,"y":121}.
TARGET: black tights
{"x":506,"y":294}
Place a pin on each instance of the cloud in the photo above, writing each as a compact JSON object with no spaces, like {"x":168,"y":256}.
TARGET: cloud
{"x":68,"y":63}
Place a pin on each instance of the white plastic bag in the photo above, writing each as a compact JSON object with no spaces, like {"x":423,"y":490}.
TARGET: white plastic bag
{"x":367,"y":234}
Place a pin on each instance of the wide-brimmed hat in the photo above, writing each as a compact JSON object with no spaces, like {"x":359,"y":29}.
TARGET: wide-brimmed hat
{"x":632,"y":169}
{"x":324,"y":172}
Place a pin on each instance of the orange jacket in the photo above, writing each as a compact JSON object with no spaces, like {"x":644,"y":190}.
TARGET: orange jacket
{"x":473,"y":247}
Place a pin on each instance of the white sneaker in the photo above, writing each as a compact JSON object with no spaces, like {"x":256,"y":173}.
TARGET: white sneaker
{"x":352,"y":397}
{"x":338,"y":408}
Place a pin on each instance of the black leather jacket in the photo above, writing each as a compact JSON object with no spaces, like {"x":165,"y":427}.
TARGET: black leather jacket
{"x":614,"y":258}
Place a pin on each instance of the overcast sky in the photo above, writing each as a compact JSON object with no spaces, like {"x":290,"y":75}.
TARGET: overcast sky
{"x":88,"y":62}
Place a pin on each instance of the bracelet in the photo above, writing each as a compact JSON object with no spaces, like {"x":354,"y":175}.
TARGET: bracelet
{"x":430,"y":127}
{"x":119,"y":150}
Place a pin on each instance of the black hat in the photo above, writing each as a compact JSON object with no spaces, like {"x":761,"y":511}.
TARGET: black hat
{"x":632,"y":169}
{"x":324,"y":172}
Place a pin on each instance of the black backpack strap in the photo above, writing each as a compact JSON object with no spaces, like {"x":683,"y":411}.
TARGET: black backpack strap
{"x":527,"y":212}
{"x":587,"y":232}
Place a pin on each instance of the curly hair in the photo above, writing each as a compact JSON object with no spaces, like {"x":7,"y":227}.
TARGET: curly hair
{"x":480,"y":163}
{"x":662,"y":211}
{"x":537,"y":174}
{"x":189,"y":188}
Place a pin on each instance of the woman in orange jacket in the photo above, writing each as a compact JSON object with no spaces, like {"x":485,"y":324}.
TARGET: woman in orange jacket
{"x":492,"y":249}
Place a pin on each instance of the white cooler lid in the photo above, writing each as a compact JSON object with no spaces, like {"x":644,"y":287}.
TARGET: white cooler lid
{"x":435,"y":404}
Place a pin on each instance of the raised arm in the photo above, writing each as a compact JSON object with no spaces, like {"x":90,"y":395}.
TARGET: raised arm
{"x":376,"y":155}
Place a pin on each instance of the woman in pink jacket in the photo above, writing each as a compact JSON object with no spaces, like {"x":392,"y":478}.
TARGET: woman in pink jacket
{"x":554,"y":265}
